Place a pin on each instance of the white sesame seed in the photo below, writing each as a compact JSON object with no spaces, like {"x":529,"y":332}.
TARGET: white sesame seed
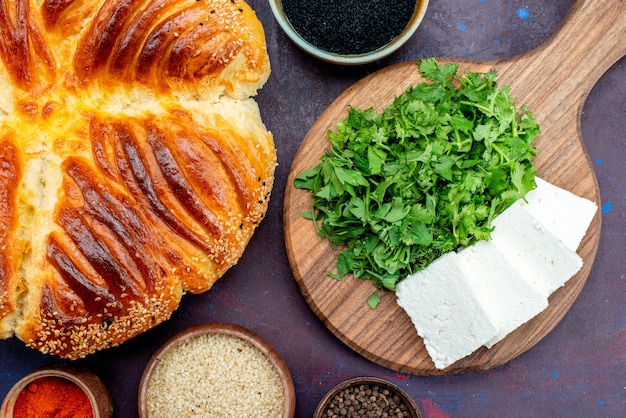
{"x":215,"y":375}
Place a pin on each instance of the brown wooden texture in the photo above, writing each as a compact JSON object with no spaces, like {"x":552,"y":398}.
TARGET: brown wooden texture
{"x":553,"y":81}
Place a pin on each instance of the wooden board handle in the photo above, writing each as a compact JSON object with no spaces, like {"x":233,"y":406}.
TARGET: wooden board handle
{"x":553,"y":81}
{"x":591,"y":38}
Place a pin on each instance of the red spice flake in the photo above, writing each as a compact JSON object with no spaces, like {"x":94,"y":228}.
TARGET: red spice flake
{"x":52,"y":397}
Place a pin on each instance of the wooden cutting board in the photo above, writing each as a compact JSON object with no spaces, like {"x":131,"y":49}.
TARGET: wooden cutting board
{"x":553,"y":81}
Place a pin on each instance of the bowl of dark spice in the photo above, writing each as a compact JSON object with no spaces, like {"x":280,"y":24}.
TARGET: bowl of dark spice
{"x":349,"y":32}
{"x":367,"y":397}
{"x":216,"y":370}
{"x":58,"y":391}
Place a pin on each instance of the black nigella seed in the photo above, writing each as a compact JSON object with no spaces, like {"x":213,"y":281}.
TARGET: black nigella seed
{"x":349,"y":27}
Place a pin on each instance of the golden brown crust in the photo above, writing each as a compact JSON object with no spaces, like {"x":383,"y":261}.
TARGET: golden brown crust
{"x":22,"y":47}
{"x":10,"y":286}
{"x":134,"y":164}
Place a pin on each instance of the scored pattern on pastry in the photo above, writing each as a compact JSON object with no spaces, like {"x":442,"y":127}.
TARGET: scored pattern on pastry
{"x":134,"y":165}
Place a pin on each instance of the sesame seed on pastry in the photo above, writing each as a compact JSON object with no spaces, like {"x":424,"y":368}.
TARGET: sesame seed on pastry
{"x":134,"y":164}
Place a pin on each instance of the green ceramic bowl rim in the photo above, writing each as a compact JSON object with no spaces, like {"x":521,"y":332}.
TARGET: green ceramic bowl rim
{"x":357,"y":59}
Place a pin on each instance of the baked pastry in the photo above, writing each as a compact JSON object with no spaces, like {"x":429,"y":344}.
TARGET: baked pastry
{"x":134,"y":164}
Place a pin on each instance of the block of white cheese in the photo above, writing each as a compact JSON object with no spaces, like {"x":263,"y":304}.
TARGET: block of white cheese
{"x":504,"y":294}
{"x":482,"y":293}
{"x":560,"y":211}
{"x":538,"y":256}
{"x":445,"y":311}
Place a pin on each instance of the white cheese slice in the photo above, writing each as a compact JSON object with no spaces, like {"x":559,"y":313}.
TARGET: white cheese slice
{"x":482,"y":293}
{"x":560,"y":211}
{"x":445,"y":311}
{"x":507,"y":297}
{"x":539,"y":256}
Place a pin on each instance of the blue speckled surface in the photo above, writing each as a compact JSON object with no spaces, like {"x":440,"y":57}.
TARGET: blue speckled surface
{"x":578,"y":370}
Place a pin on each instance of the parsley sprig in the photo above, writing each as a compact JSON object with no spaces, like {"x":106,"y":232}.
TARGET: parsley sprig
{"x":426,"y":176}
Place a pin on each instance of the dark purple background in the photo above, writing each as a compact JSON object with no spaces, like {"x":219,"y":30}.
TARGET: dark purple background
{"x":578,"y":370}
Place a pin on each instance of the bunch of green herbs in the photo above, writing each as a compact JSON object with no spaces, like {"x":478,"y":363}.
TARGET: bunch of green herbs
{"x":426,"y":176}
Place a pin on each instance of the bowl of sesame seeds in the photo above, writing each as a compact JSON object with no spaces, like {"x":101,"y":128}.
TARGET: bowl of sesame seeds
{"x":216,"y":369}
{"x":349,"y":32}
{"x":367,"y":396}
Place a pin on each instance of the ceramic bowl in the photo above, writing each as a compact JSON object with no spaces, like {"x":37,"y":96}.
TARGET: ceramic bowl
{"x":94,"y":388}
{"x":231,"y":330}
{"x":356,"y":59}
{"x":367,"y":381}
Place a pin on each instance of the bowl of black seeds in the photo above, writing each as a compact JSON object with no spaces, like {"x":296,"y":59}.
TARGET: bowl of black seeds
{"x":367,"y":397}
{"x":349,"y":32}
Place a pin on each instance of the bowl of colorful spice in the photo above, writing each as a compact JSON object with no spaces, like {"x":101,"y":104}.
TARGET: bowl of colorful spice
{"x":349,"y":32}
{"x":367,"y":397}
{"x":58,"y":391}
{"x":216,"y":370}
